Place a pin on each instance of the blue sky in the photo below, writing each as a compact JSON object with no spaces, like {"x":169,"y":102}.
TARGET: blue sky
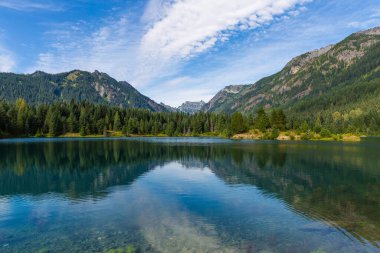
{"x":173,"y":50}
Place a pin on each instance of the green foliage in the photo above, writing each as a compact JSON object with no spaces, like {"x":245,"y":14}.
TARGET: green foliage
{"x":94,"y":119}
{"x":261,"y":121}
{"x":170,"y":129}
{"x":278,"y":119}
{"x":129,"y":249}
{"x":304,"y":126}
{"x":325,"y":133}
{"x":116,"y":122}
{"x":20,"y":119}
{"x":39,"y":133}
{"x":307,"y":136}
{"x":52,"y":122}
{"x":317,"y":125}
{"x":274,"y":134}
{"x":237,"y":123}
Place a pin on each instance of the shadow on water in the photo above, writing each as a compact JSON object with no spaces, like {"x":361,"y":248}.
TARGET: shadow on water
{"x":333,"y":182}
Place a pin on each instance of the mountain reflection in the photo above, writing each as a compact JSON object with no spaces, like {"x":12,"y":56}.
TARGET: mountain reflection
{"x":337,"y":183}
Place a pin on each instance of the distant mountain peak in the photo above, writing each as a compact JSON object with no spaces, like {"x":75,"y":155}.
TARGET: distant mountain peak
{"x":191,"y":107}
{"x":38,"y":72}
{"x":222,"y":96}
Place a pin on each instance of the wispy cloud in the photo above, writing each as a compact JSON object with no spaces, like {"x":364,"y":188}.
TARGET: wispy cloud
{"x":7,"y":61}
{"x":109,"y":48}
{"x":31,"y":5}
{"x":370,"y":20}
{"x":191,"y":27}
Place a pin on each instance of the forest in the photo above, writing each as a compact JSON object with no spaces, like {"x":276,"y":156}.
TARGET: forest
{"x":22,"y":120}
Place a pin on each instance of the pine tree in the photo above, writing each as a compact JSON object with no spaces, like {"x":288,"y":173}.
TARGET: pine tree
{"x":52,"y":122}
{"x":116,"y":122}
{"x":237,"y":123}
{"x":72,"y":123}
{"x":21,"y":107}
{"x":261,"y":121}
{"x":83,"y":121}
{"x":170,"y":129}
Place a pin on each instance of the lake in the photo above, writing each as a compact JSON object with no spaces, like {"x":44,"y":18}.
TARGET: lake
{"x":189,"y":195}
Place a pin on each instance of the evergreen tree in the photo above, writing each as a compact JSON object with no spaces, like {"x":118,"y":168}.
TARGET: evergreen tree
{"x":21,"y":107}
{"x":170,"y":129}
{"x":261,"y":121}
{"x":304,"y":127}
{"x":72,"y":123}
{"x":237,"y":123}
{"x":52,"y":122}
{"x":116,"y":122}
{"x":278,"y":119}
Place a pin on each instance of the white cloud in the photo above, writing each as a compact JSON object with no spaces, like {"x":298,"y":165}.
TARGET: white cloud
{"x":7,"y":61}
{"x":110,"y":48}
{"x":190,"y":27}
{"x":29,"y":5}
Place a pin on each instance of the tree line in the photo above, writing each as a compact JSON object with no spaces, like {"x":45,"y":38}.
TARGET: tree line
{"x":21,"y":119}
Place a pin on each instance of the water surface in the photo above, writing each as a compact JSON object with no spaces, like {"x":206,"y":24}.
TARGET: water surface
{"x":188,"y":195}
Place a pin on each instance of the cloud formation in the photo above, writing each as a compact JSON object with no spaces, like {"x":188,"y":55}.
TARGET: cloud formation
{"x":191,"y":27}
{"x":170,"y":32}
{"x":30,"y":5}
{"x":7,"y":62}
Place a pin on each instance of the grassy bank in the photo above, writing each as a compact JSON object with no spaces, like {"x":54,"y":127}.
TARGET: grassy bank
{"x":118,"y":134}
{"x":296,"y":135}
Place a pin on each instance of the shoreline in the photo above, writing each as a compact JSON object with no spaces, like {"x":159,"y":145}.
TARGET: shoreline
{"x":292,"y":136}
{"x":243,"y":136}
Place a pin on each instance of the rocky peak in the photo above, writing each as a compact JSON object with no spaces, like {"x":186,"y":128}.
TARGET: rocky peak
{"x":191,"y":107}
{"x":233,"y":88}
{"x":372,"y":31}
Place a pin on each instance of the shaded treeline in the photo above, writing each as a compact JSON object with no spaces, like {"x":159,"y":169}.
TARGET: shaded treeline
{"x":19,"y":119}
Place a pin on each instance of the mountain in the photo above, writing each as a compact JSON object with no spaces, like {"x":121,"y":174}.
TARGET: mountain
{"x":222,"y":98}
{"x":186,"y":107}
{"x":340,"y":77}
{"x":96,"y":87}
{"x":191,"y":107}
{"x":169,"y":108}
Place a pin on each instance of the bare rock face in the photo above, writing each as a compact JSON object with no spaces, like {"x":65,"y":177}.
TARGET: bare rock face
{"x":299,"y":62}
{"x":191,"y":107}
{"x":372,"y":31}
{"x":222,"y":96}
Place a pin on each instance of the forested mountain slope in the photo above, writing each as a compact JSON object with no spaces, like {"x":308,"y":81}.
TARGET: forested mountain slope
{"x":96,"y":87}
{"x":341,"y":79}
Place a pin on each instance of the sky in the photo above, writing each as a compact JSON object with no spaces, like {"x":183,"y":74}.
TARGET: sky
{"x":174,"y":50}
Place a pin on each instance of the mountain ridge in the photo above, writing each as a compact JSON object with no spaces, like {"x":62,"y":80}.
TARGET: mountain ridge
{"x":96,"y":87}
{"x":310,"y":75}
{"x":307,"y":79}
